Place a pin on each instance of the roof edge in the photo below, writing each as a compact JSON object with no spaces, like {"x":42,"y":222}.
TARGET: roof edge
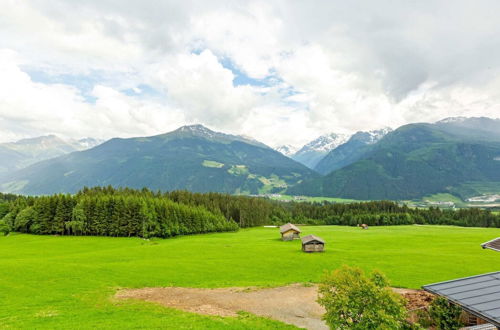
{"x":459,"y":279}
{"x":476,"y":313}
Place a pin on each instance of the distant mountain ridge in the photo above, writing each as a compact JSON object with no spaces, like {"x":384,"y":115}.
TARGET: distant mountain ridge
{"x":287,"y":150}
{"x":312,"y":153}
{"x":350,"y":151}
{"x":198,"y":130}
{"x":192,"y":157}
{"x":417,"y":160}
{"x":22,"y":153}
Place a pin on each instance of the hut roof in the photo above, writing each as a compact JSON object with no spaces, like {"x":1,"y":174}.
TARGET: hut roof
{"x":312,"y":238}
{"x":287,"y":227}
{"x":479,"y":295}
{"x":494,"y":244}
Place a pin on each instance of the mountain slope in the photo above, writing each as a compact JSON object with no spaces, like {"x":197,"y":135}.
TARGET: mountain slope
{"x":350,"y":151}
{"x":413,"y":161}
{"x":311,"y":153}
{"x":192,"y":157}
{"x":20,"y":154}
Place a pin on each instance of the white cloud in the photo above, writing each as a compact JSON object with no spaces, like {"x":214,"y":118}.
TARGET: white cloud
{"x":322,"y":66}
{"x":28,"y":108}
{"x":204,"y":89}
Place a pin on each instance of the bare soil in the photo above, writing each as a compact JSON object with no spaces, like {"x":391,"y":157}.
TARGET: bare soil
{"x":416,"y":299}
{"x":294,"y":304}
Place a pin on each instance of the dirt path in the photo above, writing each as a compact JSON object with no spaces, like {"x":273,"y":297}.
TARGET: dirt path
{"x":294,"y":304}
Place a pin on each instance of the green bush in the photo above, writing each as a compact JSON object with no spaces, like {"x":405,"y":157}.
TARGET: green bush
{"x":355,"y":301}
{"x":445,"y":315}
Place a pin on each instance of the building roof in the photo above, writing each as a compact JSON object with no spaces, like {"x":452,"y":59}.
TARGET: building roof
{"x":479,"y":295}
{"x":494,"y":244}
{"x":311,"y":238}
{"x":487,"y":326}
{"x":287,"y":227}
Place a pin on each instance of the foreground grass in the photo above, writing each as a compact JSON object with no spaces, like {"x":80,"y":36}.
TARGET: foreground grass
{"x":69,"y":282}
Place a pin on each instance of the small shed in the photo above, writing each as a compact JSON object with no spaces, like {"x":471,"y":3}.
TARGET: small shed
{"x":289,"y":232}
{"x":364,"y":226}
{"x":494,"y":244}
{"x":312,"y":243}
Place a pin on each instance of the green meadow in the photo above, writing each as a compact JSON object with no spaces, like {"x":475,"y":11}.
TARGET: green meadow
{"x":62,"y":282}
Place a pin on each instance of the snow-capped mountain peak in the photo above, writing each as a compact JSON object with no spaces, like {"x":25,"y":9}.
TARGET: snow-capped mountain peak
{"x":206,"y":133}
{"x":85,"y":143}
{"x":375,"y":135}
{"x":325,"y":143}
{"x":311,"y":153}
{"x":287,"y":149}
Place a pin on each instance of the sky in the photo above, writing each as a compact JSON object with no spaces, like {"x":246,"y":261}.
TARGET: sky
{"x":283,"y":72}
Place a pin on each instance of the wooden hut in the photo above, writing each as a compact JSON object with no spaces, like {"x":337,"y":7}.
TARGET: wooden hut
{"x":289,"y":232}
{"x":312,"y":243}
{"x":364,"y":226}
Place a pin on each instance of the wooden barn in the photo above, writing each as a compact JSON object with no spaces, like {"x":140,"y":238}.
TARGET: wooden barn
{"x":289,"y":232}
{"x":364,"y":226}
{"x":312,"y":243}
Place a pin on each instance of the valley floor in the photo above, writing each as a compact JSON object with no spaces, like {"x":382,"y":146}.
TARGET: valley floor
{"x":70,"y":282}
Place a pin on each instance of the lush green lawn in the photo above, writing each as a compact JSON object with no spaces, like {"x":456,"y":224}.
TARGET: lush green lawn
{"x":68,"y":282}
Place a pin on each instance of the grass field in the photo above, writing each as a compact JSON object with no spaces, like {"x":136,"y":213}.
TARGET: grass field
{"x":316,"y":199}
{"x":443,"y":197}
{"x":68,"y":282}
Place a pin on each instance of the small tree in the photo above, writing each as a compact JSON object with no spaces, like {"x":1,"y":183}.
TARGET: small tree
{"x":445,"y":315}
{"x":355,"y":301}
{"x":24,"y":219}
{"x":4,"y":228}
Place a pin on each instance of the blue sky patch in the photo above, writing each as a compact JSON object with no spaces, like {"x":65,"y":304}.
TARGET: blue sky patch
{"x":240,"y":78}
{"x":84,"y":83}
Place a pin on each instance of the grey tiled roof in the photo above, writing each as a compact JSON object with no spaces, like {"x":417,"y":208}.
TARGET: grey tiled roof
{"x":287,"y":227}
{"x":494,"y":244}
{"x":311,"y":238}
{"x":479,"y":294}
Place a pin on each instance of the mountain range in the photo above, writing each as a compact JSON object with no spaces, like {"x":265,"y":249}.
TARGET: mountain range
{"x":416,"y":160}
{"x":456,"y":155}
{"x":191,"y":157}
{"x":22,"y":153}
{"x":312,"y":153}
{"x":350,"y":151}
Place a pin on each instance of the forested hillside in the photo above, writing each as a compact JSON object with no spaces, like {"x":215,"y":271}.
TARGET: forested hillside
{"x":191,"y":157}
{"x":416,"y":160}
{"x":126,"y":212}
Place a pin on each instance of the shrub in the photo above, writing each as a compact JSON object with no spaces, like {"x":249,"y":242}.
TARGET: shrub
{"x":445,"y":315}
{"x":355,"y":301}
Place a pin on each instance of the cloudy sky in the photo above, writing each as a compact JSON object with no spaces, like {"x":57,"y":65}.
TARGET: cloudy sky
{"x":283,"y":72}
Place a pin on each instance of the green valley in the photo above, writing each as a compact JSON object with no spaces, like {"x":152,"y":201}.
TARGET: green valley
{"x":52,"y":282}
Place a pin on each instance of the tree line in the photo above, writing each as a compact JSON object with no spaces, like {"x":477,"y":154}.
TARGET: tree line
{"x":108,"y":211}
{"x":98,"y":212}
